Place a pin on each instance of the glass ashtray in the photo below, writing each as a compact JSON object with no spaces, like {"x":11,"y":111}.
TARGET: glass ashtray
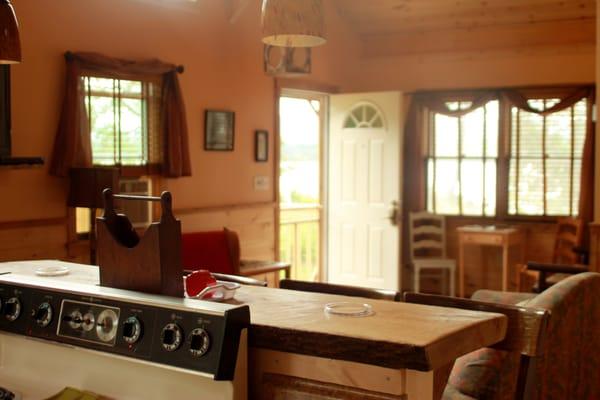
{"x":348,"y":309}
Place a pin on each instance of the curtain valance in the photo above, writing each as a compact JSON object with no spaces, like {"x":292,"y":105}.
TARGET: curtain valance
{"x":439,"y":103}
{"x":517,"y":99}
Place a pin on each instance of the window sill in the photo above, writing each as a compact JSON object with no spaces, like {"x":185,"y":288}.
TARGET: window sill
{"x":21,"y":162}
{"x":505,"y":220}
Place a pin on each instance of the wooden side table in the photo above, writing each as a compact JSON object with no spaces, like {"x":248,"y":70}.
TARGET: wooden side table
{"x":506,"y":238}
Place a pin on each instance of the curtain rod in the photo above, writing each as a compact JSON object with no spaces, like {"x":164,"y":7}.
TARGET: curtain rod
{"x":179,"y":68}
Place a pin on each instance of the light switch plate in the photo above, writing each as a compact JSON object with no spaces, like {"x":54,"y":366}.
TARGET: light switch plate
{"x":261,"y":183}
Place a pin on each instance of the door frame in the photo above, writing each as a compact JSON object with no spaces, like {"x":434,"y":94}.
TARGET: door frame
{"x":323,"y":97}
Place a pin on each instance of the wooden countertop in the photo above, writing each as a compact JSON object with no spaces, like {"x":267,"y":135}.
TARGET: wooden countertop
{"x":398,"y":335}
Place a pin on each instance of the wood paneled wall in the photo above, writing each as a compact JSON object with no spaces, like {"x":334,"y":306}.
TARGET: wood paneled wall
{"x":35,"y":239}
{"x":48,"y":239}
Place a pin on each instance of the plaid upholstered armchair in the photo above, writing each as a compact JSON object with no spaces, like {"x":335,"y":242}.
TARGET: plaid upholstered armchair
{"x":569,"y":368}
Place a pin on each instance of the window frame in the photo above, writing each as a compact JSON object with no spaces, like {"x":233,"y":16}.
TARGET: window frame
{"x":429,"y":125}
{"x":504,"y":149}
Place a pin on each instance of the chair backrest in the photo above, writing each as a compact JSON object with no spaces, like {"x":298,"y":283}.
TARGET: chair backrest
{"x":344,"y":290}
{"x":525,"y":332}
{"x":216,"y":251}
{"x":568,"y":237}
{"x":569,"y":366}
{"x":427,"y":235}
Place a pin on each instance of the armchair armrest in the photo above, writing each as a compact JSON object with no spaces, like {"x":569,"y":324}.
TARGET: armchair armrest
{"x":499,"y":297}
{"x":544,"y":269}
{"x":252,"y":267}
{"x":557,"y":268}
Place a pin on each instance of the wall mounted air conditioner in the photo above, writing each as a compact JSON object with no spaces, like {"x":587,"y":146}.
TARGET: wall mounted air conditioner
{"x":138,"y":212}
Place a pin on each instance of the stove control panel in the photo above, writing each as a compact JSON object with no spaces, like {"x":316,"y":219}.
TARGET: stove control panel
{"x":184,"y":336}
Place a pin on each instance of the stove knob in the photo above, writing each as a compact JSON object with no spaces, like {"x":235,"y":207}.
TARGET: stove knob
{"x":199,"y":342}
{"x":43,"y":315}
{"x":88,"y":321}
{"x":12,"y":309}
{"x":132,"y":330}
{"x":171,"y":337}
{"x":74,"y":319}
{"x":106,"y":327}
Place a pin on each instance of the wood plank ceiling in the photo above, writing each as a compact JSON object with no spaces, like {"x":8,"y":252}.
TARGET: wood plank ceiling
{"x":411,"y":16}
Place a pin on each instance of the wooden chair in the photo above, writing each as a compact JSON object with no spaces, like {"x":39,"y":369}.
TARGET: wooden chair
{"x":344,"y":290}
{"x":427,"y":241}
{"x":567,"y":258}
{"x":219,"y":252}
{"x":523,"y":342}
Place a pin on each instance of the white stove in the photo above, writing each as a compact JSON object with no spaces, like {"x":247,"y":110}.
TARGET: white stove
{"x":114,"y":343}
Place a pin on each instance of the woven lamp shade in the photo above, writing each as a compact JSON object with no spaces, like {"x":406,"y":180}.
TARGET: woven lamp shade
{"x":293,"y":23}
{"x":10,"y":44}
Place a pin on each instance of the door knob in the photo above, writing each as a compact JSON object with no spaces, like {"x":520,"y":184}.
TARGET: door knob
{"x":395,"y":213}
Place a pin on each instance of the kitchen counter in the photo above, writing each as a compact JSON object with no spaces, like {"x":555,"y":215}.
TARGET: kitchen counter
{"x":292,"y":328}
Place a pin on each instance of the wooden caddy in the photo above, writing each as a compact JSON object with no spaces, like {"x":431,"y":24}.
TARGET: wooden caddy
{"x":151,"y":263}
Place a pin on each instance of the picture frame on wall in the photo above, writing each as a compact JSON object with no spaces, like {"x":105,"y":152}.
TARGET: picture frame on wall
{"x":219,"y":130}
{"x":261,"y":146}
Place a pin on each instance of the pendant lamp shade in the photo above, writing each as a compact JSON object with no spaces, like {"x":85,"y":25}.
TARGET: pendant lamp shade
{"x":293,"y":23}
{"x":10,"y":44}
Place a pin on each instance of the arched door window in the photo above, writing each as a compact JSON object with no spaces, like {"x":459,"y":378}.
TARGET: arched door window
{"x":364,"y":115}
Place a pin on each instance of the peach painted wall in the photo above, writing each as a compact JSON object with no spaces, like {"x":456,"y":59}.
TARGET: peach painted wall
{"x":223,"y":70}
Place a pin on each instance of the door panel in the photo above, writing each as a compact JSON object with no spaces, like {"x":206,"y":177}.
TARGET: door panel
{"x":364,"y":180}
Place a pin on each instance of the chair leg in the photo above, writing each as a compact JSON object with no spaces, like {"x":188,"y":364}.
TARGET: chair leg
{"x":445,"y":282}
{"x":416,"y":279}
{"x":452,"y":273}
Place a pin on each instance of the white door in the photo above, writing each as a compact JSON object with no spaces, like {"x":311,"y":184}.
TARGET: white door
{"x":364,"y":183}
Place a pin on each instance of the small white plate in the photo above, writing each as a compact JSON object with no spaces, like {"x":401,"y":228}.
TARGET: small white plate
{"x":348,"y":309}
{"x":52,"y":271}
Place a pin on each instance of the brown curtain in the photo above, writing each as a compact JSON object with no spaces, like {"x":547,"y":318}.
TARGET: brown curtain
{"x":586,"y":193}
{"x":72,"y":146}
{"x":177,"y":154}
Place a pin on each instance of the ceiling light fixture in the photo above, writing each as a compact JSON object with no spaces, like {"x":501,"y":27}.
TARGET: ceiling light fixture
{"x":293,"y":23}
{"x":10,"y":44}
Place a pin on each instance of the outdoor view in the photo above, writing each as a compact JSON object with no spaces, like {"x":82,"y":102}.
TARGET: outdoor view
{"x":116,"y":109}
{"x":299,"y":186}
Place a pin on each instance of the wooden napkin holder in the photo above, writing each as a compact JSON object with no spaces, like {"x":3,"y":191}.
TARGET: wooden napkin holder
{"x":151,"y":263}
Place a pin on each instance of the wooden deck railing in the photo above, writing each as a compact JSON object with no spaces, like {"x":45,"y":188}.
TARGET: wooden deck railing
{"x":299,"y":240}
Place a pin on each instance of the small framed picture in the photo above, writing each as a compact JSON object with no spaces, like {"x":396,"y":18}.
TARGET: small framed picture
{"x":261,"y":146}
{"x":219,"y":130}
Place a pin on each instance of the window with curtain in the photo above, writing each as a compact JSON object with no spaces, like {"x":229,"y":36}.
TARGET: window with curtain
{"x":545,"y":159}
{"x":123,"y":117}
{"x":518,"y":154}
{"x":462,"y":160}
